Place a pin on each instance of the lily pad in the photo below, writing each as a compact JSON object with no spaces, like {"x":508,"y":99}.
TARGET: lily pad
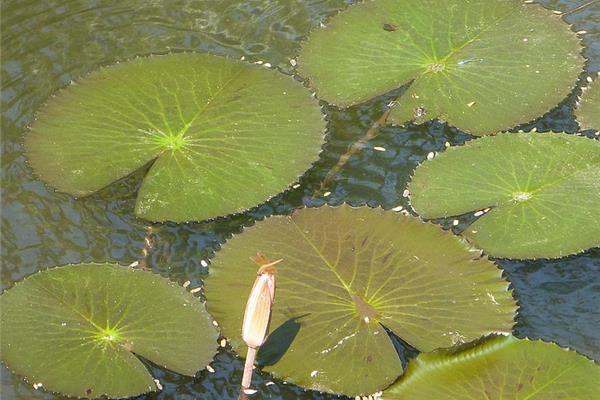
{"x":77,"y":329}
{"x":481,"y":65}
{"x":588,"y":107}
{"x":500,"y":368}
{"x":543,"y":190}
{"x":221,"y":135}
{"x":346,"y":273}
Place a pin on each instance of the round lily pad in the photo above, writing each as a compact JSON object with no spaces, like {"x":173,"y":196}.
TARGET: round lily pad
{"x":481,"y":65}
{"x":543,"y":190}
{"x":346,"y":273}
{"x":78,"y":329}
{"x":500,"y":368}
{"x":588,"y":107}
{"x":221,"y":135}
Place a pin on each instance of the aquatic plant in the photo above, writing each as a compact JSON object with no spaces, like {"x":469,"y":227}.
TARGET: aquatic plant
{"x":348,"y":273}
{"x":475,"y":64}
{"x":257,"y":315}
{"x":79,"y":330}
{"x":499,"y":368}
{"x":536,"y":194}
{"x":220,"y":135}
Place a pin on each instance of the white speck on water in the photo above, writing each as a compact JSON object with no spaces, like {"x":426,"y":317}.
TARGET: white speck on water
{"x":399,"y":208}
{"x":186,"y":284}
{"x":223,"y":342}
{"x":37,"y":386}
{"x":134,"y":264}
{"x":269,"y":383}
{"x":326,"y":194}
{"x":159,"y":386}
{"x":210,"y":369}
{"x":196,"y":290}
{"x":250,"y":391}
{"x":378,"y":148}
{"x":582,"y":32}
{"x":406,"y":193}
{"x":203,"y":263}
{"x":478,"y":214}
{"x":455,"y":222}
{"x":296,"y":186}
{"x":430,"y":155}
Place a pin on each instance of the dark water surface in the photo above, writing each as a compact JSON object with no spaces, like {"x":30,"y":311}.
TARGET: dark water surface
{"x":46,"y":44}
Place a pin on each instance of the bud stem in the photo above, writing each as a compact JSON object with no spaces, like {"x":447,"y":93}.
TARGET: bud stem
{"x":248,"y":367}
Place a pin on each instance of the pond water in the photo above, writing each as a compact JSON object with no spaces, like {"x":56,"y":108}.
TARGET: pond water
{"x":46,"y":44}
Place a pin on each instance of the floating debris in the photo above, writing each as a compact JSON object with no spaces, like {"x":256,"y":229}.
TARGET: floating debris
{"x":378,"y":148}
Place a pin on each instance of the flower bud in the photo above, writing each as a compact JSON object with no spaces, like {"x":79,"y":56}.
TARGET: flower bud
{"x":258,"y":308}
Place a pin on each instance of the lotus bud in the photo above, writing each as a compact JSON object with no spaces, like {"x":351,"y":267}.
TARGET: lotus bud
{"x":258,"y":314}
{"x":258,"y":308}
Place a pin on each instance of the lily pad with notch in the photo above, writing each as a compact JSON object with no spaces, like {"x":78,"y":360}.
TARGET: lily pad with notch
{"x":346,"y":273}
{"x":481,"y":65}
{"x":588,"y":106}
{"x":543,"y":190}
{"x":499,"y":368}
{"x":221,"y":135}
{"x":78,"y":329}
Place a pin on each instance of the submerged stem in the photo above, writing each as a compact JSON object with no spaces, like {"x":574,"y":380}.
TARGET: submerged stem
{"x":581,"y":7}
{"x":354,"y":148}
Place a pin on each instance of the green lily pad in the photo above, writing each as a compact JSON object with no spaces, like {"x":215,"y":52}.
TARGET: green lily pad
{"x":481,"y":65}
{"x":345,"y":274}
{"x":543,"y":190}
{"x":222,"y":135}
{"x":588,"y":107}
{"x":501,"y":368}
{"x":77,"y":329}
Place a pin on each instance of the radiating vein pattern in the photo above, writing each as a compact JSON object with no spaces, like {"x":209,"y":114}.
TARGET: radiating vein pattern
{"x":502,"y":368}
{"x":345,"y":273}
{"x":76,"y":329}
{"x":481,"y":65}
{"x":222,"y":135}
{"x":543,"y":190}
